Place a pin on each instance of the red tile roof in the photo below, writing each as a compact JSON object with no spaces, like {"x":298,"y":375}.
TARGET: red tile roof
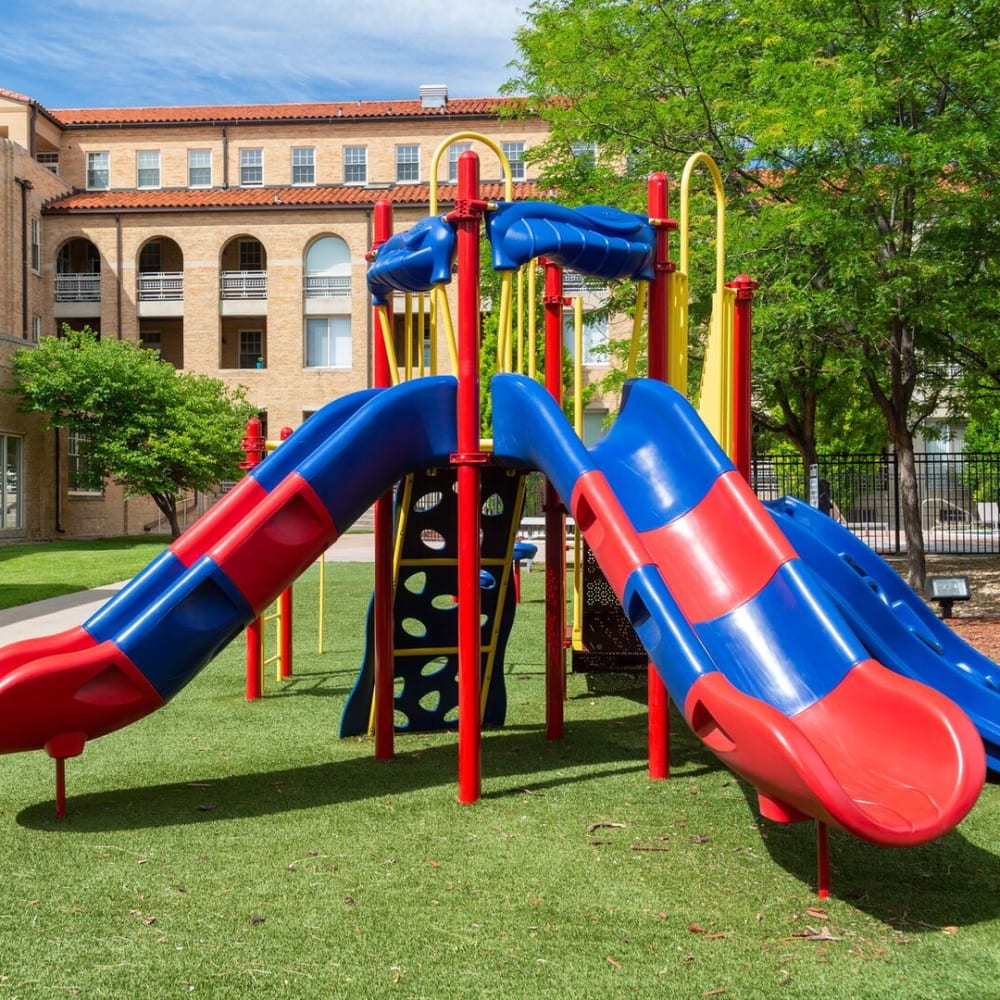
{"x":220,"y":114}
{"x":270,"y":198}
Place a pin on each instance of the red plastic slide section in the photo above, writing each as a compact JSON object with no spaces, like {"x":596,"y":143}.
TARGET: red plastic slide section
{"x":833,"y":762}
{"x":59,"y":698}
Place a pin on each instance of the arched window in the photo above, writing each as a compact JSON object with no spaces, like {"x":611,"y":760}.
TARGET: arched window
{"x":328,"y":269}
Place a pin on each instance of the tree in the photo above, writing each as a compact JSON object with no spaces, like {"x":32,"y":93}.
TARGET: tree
{"x":149,"y":428}
{"x":855,"y":142}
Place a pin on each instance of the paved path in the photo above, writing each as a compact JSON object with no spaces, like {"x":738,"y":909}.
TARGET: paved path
{"x":59,"y":613}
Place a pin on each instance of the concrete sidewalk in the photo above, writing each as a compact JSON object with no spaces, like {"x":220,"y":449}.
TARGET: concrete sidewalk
{"x":56,"y":614}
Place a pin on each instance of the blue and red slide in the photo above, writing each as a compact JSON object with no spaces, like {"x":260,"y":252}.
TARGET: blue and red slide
{"x":760,"y":662}
{"x":148,"y":641}
{"x":757,"y":657}
{"x":891,"y":621}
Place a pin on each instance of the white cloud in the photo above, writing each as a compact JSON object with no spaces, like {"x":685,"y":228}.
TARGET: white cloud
{"x":100,"y":52}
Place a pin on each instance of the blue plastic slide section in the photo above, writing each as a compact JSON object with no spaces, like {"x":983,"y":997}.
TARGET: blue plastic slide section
{"x":785,"y":645}
{"x":596,"y":240}
{"x":897,"y":627}
{"x":172,"y":619}
{"x":153,"y":583}
{"x":414,"y":260}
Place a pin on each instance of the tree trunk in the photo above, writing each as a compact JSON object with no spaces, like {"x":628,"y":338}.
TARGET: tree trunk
{"x":167,"y":505}
{"x":909,"y":505}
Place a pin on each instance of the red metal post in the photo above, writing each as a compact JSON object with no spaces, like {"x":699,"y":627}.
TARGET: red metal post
{"x":60,"y":787}
{"x":658,"y":700}
{"x":466,"y":219}
{"x":384,"y":657}
{"x":285,"y":618}
{"x":822,"y":860}
{"x":285,"y":612}
{"x":254,"y":666}
{"x":253,"y":445}
{"x":555,"y":521}
{"x":742,"y":421}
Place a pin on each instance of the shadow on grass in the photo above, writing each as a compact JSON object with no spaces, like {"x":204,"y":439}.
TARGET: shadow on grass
{"x":607,"y":746}
{"x":945,"y":883}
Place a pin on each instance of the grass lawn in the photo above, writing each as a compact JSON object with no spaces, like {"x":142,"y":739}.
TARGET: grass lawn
{"x":36,"y":571}
{"x":226,"y":849}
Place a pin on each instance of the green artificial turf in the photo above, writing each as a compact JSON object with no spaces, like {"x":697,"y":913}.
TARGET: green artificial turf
{"x":221,"y":848}
{"x":39,"y":570}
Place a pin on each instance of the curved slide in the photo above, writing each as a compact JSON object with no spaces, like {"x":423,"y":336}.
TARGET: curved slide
{"x":762,"y":665}
{"x":892,"y":622}
{"x":148,"y":641}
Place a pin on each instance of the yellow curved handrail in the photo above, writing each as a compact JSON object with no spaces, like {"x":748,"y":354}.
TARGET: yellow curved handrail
{"x":720,"y":216}
{"x":474,"y":137}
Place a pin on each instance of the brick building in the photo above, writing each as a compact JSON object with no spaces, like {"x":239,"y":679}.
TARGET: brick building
{"x":232,"y":239}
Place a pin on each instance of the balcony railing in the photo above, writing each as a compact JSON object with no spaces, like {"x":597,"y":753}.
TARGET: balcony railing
{"x":326,"y":286}
{"x":244,"y":285}
{"x":161,"y":286}
{"x":78,"y":288}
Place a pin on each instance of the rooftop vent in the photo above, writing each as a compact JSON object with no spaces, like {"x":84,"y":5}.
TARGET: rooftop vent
{"x":433,"y":95}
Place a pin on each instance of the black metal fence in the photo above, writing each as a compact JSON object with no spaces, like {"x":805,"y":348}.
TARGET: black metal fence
{"x":959,"y":496}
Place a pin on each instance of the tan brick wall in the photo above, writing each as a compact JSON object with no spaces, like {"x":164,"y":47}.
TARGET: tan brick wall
{"x":276,"y":140}
{"x":201,"y":338}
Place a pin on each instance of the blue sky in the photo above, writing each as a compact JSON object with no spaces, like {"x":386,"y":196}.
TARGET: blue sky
{"x":129,"y":53}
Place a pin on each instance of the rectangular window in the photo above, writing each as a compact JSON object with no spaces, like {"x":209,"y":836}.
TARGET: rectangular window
{"x":98,"y":171}
{"x":150,"y":258}
{"x":303,"y":165}
{"x":586,"y":151}
{"x":82,"y":477}
{"x":11,"y":492}
{"x":251,"y":255}
{"x":199,"y":168}
{"x":151,"y":340}
{"x":328,"y":342}
{"x":514,"y":151}
{"x":147,"y":168}
{"x":251,"y":349}
{"x":251,"y":167}
{"x":595,"y":338}
{"x":49,"y":160}
{"x":36,"y":245}
{"x":455,"y":150}
{"x":355,"y":164}
{"x":36,"y":328}
{"x":407,"y":163}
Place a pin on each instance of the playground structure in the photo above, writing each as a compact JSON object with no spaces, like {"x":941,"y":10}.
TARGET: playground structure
{"x":747,"y":640}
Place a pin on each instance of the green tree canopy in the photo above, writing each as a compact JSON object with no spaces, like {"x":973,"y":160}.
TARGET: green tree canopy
{"x":150,"y":429}
{"x":855,"y":142}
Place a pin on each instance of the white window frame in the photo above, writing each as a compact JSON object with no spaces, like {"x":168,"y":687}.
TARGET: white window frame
{"x":595,"y":334}
{"x":76,"y":456}
{"x":584,"y":151}
{"x":251,"y":166}
{"x":355,"y":164}
{"x":147,"y":169}
{"x":250,"y":348}
{"x":455,"y":150}
{"x":514,"y":151}
{"x":336,"y":348}
{"x":408,"y":162}
{"x":11,"y":510}
{"x":304,"y":166}
{"x":36,"y":245}
{"x":99,"y":171}
{"x":192,"y":155}
{"x":49,"y":160}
